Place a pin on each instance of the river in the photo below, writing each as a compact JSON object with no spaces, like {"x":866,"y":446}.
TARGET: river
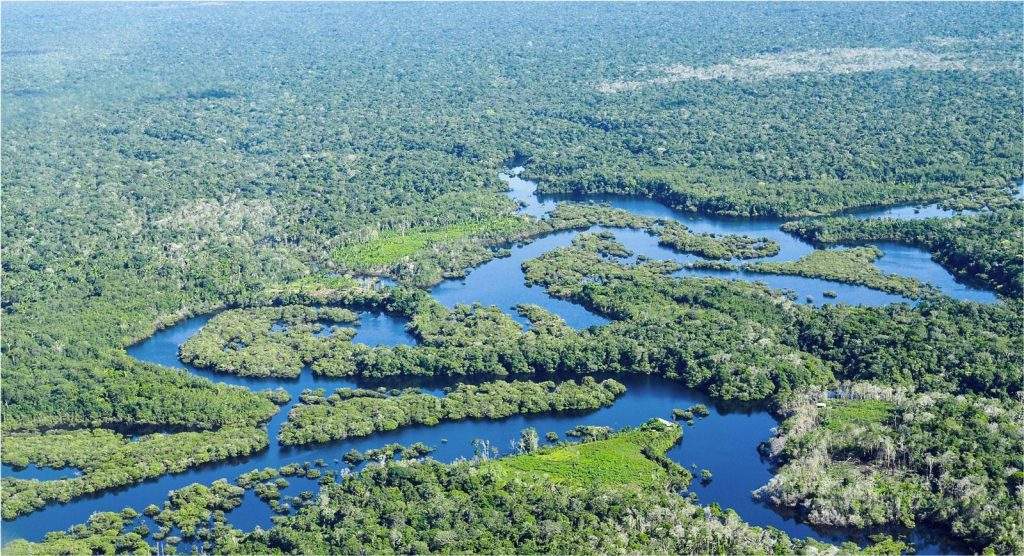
{"x":735,"y":464}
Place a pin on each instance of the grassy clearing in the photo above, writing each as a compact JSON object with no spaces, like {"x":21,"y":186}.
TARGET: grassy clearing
{"x":390,"y":247}
{"x":841,"y":413}
{"x":616,"y":461}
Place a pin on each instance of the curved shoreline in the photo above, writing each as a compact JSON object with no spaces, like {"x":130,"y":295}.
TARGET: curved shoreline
{"x":492,"y":282}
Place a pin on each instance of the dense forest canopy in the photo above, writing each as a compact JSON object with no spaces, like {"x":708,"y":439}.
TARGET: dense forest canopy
{"x":162,"y":160}
{"x":181,"y":153}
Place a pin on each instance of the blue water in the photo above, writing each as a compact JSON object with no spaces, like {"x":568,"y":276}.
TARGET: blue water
{"x":905,"y":212}
{"x":381,"y":329}
{"x":32,"y":471}
{"x":500,"y":282}
{"x":903,"y":260}
{"x":910,"y":261}
{"x":724,"y":443}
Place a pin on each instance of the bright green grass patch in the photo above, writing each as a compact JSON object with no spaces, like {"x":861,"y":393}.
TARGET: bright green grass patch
{"x":619,"y":460}
{"x":316,"y":282}
{"x":391,"y":247}
{"x":840,"y":413}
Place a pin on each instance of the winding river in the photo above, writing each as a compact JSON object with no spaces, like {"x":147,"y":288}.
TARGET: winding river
{"x":736,"y":467}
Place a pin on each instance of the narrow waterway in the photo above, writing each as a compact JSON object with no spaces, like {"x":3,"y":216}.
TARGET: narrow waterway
{"x":724,"y":443}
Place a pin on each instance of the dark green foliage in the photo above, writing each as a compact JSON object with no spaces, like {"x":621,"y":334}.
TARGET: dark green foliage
{"x":104,"y":533}
{"x":126,"y":395}
{"x":278,"y":395}
{"x":682,"y":414}
{"x":676,"y":236}
{"x":589,"y":432}
{"x":669,"y":232}
{"x":472,"y":508}
{"x":195,"y":512}
{"x":139,"y":200}
{"x":189,"y":508}
{"x":733,"y":339}
{"x":940,"y":345}
{"x":265,"y":341}
{"x":159,"y":182}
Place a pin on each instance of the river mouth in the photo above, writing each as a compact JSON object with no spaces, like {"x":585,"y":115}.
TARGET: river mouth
{"x":736,"y":465}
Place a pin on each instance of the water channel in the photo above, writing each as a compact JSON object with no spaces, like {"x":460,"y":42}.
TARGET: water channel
{"x":735,"y":464}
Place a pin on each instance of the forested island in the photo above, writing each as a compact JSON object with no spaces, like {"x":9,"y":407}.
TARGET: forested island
{"x":481,"y":278}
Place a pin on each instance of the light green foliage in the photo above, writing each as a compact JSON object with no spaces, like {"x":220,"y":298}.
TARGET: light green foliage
{"x":391,"y":247}
{"x":854,"y":266}
{"x":109,"y":460}
{"x":350,"y":413}
{"x":840,"y":414}
{"x":104,"y":533}
{"x":987,"y":248}
{"x":624,"y":459}
{"x":712,"y":246}
{"x":878,"y":456}
{"x":266,"y":341}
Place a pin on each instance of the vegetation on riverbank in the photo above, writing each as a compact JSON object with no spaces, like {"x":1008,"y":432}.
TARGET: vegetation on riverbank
{"x":194,"y":512}
{"x":572,"y":498}
{"x":109,"y":460}
{"x":938,"y":346}
{"x":266,"y":341}
{"x":985,"y":248}
{"x":730,"y":338}
{"x":126,"y":395}
{"x":148,"y":183}
{"x":733,"y":193}
{"x":347,"y":413}
{"x":712,"y":347}
{"x":713,"y":246}
{"x":424,"y":258}
{"x":672,"y":234}
{"x":104,"y":533}
{"x":391,"y":247}
{"x":851,"y":266}
{"x":880,"y":456}
{"x":634,"y":458}
{"x":638,"y":297}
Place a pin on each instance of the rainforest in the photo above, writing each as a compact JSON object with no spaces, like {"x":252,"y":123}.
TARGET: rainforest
{"x":502,"y":278}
